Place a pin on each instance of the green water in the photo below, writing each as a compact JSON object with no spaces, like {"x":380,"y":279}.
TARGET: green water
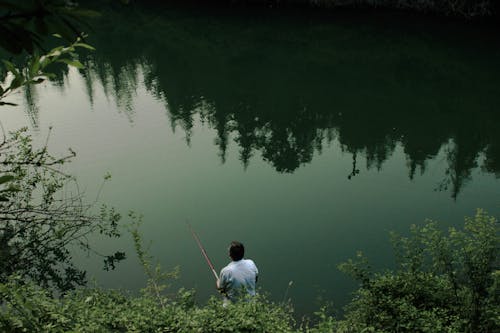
{"x":306,"y":136}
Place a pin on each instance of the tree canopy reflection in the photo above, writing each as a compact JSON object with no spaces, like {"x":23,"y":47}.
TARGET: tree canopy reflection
{"x":286,"y":87}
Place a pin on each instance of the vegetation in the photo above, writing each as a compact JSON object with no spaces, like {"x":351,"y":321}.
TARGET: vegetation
{"x":24,"y":25}
{"x":93,"y":310}
{"x":444,"y":283}
{"x":35,"y":69}
{"x":26,"y":307}
{"x":42,"y":212}
{"x":42,"y":215}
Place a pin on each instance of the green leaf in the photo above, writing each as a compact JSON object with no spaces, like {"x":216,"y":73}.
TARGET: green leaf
{"x":70,"y":62}
{"x":34,"y":66}
{"x":17,"y":82}
{"x":55,"y":52}
{"x":86,"y":46}
{"x":10,"y":67}
{"x":6,"y":178}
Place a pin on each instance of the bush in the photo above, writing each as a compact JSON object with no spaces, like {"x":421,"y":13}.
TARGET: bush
{"x":30,"y":308}
{"x":444,"y":283}
{"x":42,"y":213}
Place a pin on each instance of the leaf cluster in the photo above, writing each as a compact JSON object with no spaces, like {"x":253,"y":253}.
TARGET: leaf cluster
{"x":25,"y":24}
{"x":30,"y":308}
{"x":36,"y":69}
{"x":45,"y":216}
{"x":445,"y":282}
{"x":27,"y":307}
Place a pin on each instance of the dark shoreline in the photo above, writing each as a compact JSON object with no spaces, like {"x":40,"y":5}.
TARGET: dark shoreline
{"x":444,"y":10}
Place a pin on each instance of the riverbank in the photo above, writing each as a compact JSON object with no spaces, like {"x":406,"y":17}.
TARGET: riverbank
{"x":446,"y":282}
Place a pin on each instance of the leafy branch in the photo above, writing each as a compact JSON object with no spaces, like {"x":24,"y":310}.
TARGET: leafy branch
{"x":35,"y":70}
{"x":45,"y":215}
{"x":157,"y":277}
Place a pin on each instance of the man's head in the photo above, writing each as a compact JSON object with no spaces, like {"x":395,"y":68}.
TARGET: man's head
{"x":236,"y":251}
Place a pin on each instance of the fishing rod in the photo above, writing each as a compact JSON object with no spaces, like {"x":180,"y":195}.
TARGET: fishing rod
{"x":202,"y":249}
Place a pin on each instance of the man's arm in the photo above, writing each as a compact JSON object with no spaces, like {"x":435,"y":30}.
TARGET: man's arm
{"x":221,"y":283}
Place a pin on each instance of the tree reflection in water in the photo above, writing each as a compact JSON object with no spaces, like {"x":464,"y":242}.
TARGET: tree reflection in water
{"x":286,"y":87}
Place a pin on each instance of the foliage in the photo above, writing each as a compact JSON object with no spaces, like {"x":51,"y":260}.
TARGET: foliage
{"x":157,"y":278}
{"x":35,"y":70}
{"x":444,"y":283}
{"x":29,"y":308}
{"x":43,"y":215}
{"x":25,"y":24}
{"x":325,"y":323}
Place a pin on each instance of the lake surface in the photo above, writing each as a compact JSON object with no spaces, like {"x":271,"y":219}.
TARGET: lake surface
{"x":306,"y":136}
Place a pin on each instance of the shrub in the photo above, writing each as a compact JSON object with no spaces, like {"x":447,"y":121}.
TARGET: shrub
{"x":30,"y":308}
{"x":444,"y":283}
{"x":42,"y":214}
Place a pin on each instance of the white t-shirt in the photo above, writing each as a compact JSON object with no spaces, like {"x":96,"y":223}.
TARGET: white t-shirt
{"x":238,"y":277}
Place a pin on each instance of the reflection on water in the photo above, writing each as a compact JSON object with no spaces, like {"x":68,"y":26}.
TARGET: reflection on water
{"x":286,"y":90}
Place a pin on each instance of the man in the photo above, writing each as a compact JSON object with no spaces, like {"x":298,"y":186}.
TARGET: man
{"x":239,"y":277}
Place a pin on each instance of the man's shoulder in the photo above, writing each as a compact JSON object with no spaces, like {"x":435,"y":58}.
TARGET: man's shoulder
{"x":249,"y":263}
{"x":228,"y":268}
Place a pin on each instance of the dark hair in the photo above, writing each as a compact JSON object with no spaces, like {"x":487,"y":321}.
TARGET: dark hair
{"x":236,"y":251}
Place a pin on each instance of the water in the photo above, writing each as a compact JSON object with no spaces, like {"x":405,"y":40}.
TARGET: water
{"x":307,"y":136}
